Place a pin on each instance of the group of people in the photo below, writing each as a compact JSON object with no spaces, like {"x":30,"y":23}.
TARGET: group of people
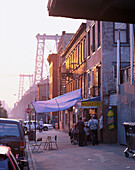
{"x":82,"y":130}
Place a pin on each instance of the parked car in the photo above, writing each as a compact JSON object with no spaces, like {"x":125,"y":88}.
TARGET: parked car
{"x":8,"y":161}
{"x":11,"y":134}
{"x":47,"y":127}
{"x":32,"y":125}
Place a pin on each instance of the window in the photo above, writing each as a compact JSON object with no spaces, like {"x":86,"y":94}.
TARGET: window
{"x":78,"y":55}
{"x":124,"y":32}
{"x":81,"y":82}
{"x":93,"y":38}
{"x":71,"y":59}
{"x":69,"y":62}
{"x":88,"y":84}
{"x":81,"y":53}
{"x":89,"y":43}
{"x":71,"y":87}
{"x":84,"y":85}
{"x":78,"y":83}
{"x":98,"y":25}
{"x":84,"y":49}
{"x":9,"y":129}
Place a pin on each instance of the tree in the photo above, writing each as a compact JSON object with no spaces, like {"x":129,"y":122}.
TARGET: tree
{"x":3,"y":112}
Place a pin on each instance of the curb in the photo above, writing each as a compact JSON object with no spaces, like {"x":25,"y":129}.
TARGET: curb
{"x":31,"y":161}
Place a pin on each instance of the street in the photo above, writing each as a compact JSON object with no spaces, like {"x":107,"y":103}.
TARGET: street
{"x":73,"y":157}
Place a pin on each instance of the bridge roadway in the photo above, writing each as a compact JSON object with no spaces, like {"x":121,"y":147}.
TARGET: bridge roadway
{"x":73,"y":157}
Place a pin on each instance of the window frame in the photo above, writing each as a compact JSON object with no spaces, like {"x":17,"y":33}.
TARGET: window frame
{"x":126,"y":30}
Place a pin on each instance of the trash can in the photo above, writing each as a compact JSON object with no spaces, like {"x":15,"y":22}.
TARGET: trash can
{"x":32,"y":135}
{"x":130,"y":138}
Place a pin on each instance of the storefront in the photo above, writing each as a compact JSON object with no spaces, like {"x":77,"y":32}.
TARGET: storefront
{"x":90,"y":106}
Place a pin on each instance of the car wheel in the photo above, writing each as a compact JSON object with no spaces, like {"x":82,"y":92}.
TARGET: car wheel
{"x":45,"y":128}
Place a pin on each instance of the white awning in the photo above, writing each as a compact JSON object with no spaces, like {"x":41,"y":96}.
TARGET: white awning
{"x":59,"y":103}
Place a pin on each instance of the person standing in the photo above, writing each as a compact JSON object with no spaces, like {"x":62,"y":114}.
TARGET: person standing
{"x":80,"y":126}
{"x":40,"y":125}
{"x":93,"y":124}
{"x":101,"y":127}
{"x":86,"y":136}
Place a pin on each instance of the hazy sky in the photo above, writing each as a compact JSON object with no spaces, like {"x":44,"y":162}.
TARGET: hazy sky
{"x":21,"y":21}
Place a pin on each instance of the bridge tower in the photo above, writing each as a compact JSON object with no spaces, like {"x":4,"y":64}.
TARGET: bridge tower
{"x":21,"y":84}
{"x":38,"y":76}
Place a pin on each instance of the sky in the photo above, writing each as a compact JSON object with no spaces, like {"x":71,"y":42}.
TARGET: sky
{"x":21,"y":21}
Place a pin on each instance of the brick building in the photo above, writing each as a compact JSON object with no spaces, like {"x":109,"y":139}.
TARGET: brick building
{"x":43,"y":94}
{"x":102,"y":68}
{"x":63,"y":42}
{"x":53,"y":82}
{"x":74,"y":72}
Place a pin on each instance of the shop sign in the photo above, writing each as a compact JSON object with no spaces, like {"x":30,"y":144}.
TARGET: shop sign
{"x":90,"y":104}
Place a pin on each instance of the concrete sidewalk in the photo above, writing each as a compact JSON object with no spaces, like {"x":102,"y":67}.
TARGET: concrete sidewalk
{"x":73,"y":157}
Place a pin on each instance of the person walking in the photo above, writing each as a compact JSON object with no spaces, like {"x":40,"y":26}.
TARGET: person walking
{"x":101,"y":127}
{"x":80,"y":126}
{"x":93,"y":124}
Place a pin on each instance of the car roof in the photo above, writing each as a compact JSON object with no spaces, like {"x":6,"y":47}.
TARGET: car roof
{"x":30,"y":121}
{"x":4,"y":150}
{"x":9,"y":120}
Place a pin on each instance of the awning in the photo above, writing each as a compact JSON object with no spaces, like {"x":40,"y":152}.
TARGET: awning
{"x":103,"y":10}
{"x":93,"y":102}
{"x":59,"y":103}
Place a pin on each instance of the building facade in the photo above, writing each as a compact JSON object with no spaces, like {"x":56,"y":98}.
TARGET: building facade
{"x":53,"y":83}
{"x":102,"y":69}
{"x":63,"y":42}
{"x":74,"y":73}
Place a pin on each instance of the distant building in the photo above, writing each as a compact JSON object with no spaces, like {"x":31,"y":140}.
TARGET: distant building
{"x":53,"y":82}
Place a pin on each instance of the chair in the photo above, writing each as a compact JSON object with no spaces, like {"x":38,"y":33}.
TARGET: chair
{"x":37,"y":145}
{"x":48,"y":144}
{"x":54,"y":142}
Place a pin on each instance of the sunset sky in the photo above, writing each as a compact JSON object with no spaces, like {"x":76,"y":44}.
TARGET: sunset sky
{"x":21,"y":21}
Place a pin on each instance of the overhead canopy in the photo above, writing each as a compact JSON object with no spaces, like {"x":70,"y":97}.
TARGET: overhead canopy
{"x":93,"y":102}
{"x":59,"y":103}
{"x":103,"y":10}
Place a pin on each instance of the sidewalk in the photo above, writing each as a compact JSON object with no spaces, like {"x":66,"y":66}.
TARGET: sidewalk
{"x":73,"y":157}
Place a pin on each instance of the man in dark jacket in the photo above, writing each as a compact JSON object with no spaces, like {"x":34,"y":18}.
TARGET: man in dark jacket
{"x":80,"y":126}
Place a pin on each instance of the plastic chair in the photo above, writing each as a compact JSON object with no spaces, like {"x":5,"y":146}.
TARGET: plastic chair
{"x":37,"y":145}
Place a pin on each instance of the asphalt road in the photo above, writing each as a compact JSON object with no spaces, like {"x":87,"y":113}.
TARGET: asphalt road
{"x":73,"y":157}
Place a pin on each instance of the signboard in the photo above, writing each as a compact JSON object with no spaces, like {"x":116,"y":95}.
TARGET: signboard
{"x":28,"y":110}
{"x":90,"y":104}
{"x":110,"y":119}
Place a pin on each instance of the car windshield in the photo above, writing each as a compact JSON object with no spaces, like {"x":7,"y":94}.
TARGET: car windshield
{"x":5,"y":164}
{"x":7,"y":129}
